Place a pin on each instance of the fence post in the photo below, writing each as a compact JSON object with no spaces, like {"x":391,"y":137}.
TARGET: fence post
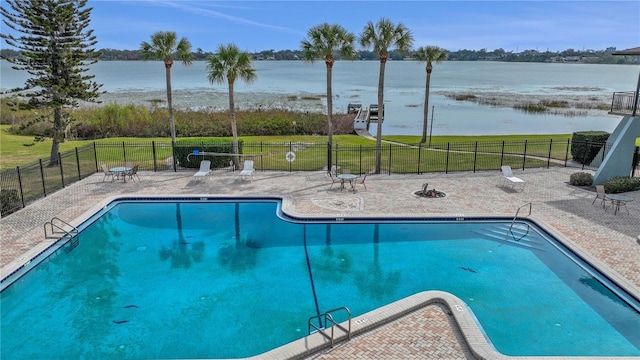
{"x":61,"y":169}
{"x":389,"y":158}
{"x":124,"y":153}
{"x":446,"y":166}
{"x":566,"y":153}
{"x":173,"y":156}
{"x":329,"y":162}
{"x":78,"y":165}
{"x":502,"y":154}
{"x":524,"y":155}
{"x":475,"y":157}
{"x":44,"y":187}
{"x":20,"y":186}
{"x":549,"y":157}
{"x":95,"y":154}
{"x":154,"y":156}
{"x":634,"y":161}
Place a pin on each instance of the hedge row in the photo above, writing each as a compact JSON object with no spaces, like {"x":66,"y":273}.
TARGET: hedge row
{"x":586,"y":145}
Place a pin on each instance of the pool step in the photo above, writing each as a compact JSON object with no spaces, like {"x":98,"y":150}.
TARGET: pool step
{"x":520,"y":235}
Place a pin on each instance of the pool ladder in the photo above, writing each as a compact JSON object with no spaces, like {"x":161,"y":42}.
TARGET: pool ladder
{"x":514,"y":220}
{"x":328,"y":318}
{"x":59,"y":229}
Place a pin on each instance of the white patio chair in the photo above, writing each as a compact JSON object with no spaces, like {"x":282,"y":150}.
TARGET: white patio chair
{"x":507,"y":176}
{"x":205,"y":169}
{"x":247,"y":170}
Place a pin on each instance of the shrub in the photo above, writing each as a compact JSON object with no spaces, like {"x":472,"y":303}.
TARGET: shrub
{"x":9,"y":200}
{"x":86,"y":131}
{"x":620,"y":184}
{"x":586,"y":145}
{"x":184,"y":147}
{"x":581,"y":179}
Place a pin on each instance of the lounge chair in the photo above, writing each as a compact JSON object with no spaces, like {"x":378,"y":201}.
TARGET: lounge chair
{"x":601,"y":194}
{"x":247,"y":169}
{"x":107,"y":173}
{"x":205,"y":169}
{"x":508,"y":176}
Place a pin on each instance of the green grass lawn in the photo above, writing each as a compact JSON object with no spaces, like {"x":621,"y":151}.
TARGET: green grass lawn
{"x":18,"y":150}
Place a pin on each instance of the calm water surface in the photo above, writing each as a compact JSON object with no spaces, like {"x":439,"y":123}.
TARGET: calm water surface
{"x":298,"y":85}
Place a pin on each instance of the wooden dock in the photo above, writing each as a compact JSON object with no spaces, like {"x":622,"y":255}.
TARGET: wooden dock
{"x":364,"y":116}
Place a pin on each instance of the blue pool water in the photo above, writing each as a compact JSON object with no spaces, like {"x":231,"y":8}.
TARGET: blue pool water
{"x":159,"y":279}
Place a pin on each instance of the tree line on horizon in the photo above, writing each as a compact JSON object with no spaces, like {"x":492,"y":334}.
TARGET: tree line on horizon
{"x":568,"y":56}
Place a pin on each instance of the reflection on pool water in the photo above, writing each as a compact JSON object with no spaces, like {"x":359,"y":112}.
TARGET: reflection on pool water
{"x":232,"y":278}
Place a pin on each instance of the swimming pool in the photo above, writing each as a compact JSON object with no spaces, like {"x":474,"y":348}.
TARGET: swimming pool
{"x":166,"y":279}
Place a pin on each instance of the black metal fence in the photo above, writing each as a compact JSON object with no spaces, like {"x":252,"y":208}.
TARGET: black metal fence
{"x":25,"y":184}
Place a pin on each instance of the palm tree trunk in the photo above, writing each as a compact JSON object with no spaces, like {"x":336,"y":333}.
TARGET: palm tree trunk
{"x":234,"y":126}
{"x":383,"y":62}
{"x":329,"y":110}
{"x":426,"y":109}
{"x":169,"y":104}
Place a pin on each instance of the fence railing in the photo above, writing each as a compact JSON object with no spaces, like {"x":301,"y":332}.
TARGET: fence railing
{"x":25,"y":184}
{"x":623,"y":102}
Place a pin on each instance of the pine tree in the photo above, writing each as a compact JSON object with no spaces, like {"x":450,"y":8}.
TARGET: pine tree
{"x":56,"y":48}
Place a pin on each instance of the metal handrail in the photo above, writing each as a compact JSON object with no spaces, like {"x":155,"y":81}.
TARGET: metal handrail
{"x":329,"y":318}
{"x":71,"y":233}
{"x":514,"y":220}
{"x":623,"y":102}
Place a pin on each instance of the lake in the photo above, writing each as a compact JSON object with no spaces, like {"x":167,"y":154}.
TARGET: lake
{"x":298,"y":85}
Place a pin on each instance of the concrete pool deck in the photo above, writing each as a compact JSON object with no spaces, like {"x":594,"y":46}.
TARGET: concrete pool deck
{"x":428,"y":331}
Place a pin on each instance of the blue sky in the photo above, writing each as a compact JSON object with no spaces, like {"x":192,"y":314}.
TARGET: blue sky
{"x":453,"y":25}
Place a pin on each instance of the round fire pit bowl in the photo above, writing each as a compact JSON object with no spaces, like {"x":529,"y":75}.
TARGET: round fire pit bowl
{"x":430,"y":194}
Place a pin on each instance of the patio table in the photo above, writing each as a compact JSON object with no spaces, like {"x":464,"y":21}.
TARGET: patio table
{"x":617,"y":200}
{"x":121,"y":171}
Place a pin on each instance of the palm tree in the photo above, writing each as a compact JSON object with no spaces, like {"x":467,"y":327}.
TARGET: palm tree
{"x":381,"y":36}
{"x":429,"y":54}
{"x":164,"y":46}
{"x":229,"y":63}
{"x":323,"y":42}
